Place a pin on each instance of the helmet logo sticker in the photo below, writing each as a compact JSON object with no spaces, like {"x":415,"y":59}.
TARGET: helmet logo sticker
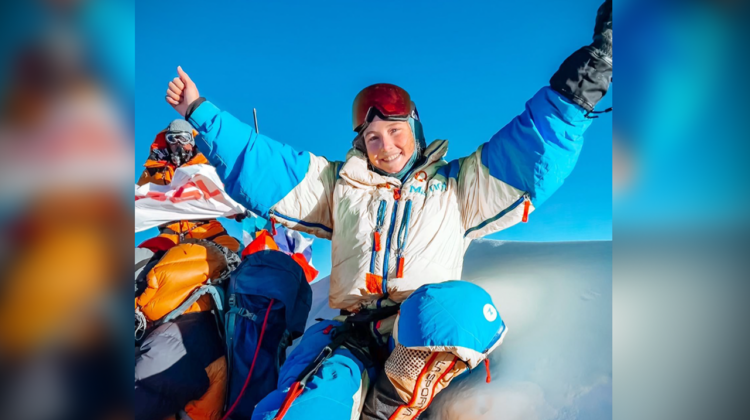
{"x":490,"y":313}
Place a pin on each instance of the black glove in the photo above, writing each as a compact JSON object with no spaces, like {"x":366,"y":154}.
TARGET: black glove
{"x":584,"y":77}
{"x":603,"y":30}
{"x":240,"y":217}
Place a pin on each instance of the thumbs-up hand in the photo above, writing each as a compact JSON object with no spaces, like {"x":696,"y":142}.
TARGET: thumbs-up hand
{"x":181,"y":92}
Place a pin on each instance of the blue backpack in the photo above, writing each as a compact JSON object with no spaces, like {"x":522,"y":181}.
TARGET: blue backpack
{"x":268,"y":300}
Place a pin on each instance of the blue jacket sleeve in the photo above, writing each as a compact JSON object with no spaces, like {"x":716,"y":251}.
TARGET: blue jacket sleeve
{"x":257,"y":171}
{"x":538,"y":149}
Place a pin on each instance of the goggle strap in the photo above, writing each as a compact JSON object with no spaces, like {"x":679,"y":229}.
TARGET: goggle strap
{"x":373,"y":112}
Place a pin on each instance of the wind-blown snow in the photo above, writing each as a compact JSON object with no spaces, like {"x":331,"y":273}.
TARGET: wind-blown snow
{"x":556,"y":361}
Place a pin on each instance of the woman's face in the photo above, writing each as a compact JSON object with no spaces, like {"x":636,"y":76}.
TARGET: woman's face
{"x":390,"y":144}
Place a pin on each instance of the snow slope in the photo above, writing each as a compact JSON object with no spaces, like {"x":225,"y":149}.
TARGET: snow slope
{"x":556,"y":361}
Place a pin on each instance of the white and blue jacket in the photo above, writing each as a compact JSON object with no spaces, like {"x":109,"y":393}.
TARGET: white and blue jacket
{"x":390,"y":237}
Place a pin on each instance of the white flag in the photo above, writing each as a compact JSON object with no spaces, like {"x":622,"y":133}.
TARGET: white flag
{"x":196,"y":193}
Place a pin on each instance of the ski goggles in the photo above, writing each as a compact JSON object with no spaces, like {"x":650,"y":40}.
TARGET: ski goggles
{"x":384,"y":100}
{"x":182,"y":138}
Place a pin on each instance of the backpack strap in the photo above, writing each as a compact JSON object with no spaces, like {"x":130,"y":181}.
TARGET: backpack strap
{"x":230,"y":322}
{"x":252,"y":365}
{"x":209,"y":289}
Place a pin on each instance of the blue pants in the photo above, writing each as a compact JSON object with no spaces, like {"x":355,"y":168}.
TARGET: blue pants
{"x":456,"y":318}
{"x":330,"y":394}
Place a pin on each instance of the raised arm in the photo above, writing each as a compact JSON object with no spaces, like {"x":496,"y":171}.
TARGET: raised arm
{"x":528,"y":160}
{"x":266,"y":176}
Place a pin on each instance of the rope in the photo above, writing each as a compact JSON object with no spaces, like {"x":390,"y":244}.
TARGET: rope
{"x":140,"y":327}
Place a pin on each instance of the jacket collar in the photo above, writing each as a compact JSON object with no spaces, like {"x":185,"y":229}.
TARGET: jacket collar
{"x":355,"y":170}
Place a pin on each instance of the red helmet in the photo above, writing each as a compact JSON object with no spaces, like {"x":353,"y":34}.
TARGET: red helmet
{"x":387,"y":101}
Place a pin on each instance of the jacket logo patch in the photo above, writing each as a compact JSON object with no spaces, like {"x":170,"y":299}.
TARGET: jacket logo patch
{"x":490,"y":313}
{"x":420,"y":176}
{"x":434,"y":187}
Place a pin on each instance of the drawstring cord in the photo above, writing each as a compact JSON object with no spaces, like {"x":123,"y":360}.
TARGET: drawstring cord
{"x":589,"y":113}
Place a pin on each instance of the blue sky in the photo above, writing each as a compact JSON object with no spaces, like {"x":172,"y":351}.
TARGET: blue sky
{"x":470,"y":70}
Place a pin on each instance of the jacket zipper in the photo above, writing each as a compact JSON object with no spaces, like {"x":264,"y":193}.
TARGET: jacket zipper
{"x":397,"y":196}
{"x":388,"y":249}
{"x":376,"y":235}
{"x":403,"y":234}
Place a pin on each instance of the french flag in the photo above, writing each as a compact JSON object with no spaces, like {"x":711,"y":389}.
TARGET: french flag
{"x":279,"y":238}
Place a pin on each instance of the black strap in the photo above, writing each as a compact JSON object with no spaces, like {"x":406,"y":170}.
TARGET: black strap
{"x":367,"y":316}
{"x":354,"y":334}
{"x":589,"y":113}
{"x":341,"y":335}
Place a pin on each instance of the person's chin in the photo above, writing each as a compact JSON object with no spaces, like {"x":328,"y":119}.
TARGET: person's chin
{"x":395,"y":168}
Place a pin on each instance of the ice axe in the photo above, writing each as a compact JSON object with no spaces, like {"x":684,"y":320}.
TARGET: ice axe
{"x":255,"y":118}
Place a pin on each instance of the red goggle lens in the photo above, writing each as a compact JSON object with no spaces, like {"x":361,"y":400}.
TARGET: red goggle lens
{"x":389,"y":100}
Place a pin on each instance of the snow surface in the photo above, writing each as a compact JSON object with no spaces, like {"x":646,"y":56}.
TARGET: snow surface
{"x":556,"y":361}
